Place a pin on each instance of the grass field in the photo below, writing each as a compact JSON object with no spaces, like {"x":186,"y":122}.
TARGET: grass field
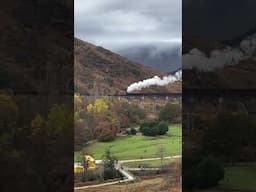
{"x":145,"y":164}
{"x":240,"y":178}
{"x":136,"y":147}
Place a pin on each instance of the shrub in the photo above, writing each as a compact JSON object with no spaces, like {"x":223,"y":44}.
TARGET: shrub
{"x":133,"y":131}
{"x":211,"y":171}
{"x":149,"y":129}
{"x":162,"y":128}
{"x":147,"y":125}
{"x":154,"y":128}
{"x":110,"y":173}
{"x":207,"y":173}
{"x":153,"y":131}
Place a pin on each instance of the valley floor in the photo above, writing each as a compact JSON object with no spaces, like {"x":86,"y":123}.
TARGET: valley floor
{"x":240,"y":178}
{"x":146,"y":184}
{"x":136,"y":147}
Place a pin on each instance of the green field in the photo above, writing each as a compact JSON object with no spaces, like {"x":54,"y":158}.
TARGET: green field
{"x":149,"y":164}
{"x":240,"y":178}
{"x":136,"y":147}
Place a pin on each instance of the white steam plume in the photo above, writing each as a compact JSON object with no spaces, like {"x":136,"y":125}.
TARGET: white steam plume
{"x":221,"y":57}
{"x":155,"y":81}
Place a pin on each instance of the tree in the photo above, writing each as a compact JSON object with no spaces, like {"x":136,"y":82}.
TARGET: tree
{"x":109,"y":165}
{"x":78,"y":103}
{"x":99,"y":107}
{"x":127,"y":113}
{"x":160,"y":153}
{"x":105,"y":131}
{"x":82,"y":135}
{"x":60,"y":120}
{"x":170,"y":113}
{"x":53,"y":140}
{"x":134,"y":113}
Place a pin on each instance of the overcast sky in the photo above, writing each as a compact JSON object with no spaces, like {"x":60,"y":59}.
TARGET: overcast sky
{"x":116,"y":24}
{"x":218,"y":19}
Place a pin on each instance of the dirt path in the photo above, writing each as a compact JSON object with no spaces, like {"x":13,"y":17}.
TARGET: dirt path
{"x":150,"y":184}
{"x":149,"y":159}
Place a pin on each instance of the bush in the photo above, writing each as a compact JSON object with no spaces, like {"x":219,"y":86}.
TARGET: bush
{"x":152,"y":131}
{"x":149,"y":129}
{"x":207,"y":173}
{"x":110,"y":173}
{"x":211,"y":171}
{"x":162,"y":128}
{"x":154,"y":128}
{"x":133,"y":131}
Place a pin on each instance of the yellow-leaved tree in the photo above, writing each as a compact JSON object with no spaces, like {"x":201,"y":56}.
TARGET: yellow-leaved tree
{"x":60,"y":120}
{"x":78,"y":103}
{"x":99,"y":107}
{"x":37,"y":124}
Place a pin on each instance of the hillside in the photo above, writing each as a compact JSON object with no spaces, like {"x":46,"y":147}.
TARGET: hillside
{"x":240,"y":75}
{"x":158,"y":56}
{"x":102,"y":72}
{"x":36,"y":67}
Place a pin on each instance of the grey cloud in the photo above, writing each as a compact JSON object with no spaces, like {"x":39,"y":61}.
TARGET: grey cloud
{"x":121,"y":25}
{"x":105,"y":21}
{"x":164,"y":57}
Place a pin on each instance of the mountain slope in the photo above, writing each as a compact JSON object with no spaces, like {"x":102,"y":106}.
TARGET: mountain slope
{"x":100,"y":72}
{"x":29,"y":68}
{"x":237,"y":75}
{"x":165,"y":58}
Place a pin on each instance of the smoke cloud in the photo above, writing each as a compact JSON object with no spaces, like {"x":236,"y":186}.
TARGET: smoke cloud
{"x":155,"y":81}
{"x":221,"y":57}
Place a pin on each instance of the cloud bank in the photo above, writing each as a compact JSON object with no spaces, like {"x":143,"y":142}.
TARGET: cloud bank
{"x":117,"y":24}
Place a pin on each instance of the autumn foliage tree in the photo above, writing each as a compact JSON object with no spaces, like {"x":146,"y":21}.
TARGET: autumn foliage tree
{"x":78,"y":102}
{"x":99,"y":107}
{"x":106,"y":131}
{"x":128,"y":114}
{"x":82,"y":132}
{"x":103,"y":119}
